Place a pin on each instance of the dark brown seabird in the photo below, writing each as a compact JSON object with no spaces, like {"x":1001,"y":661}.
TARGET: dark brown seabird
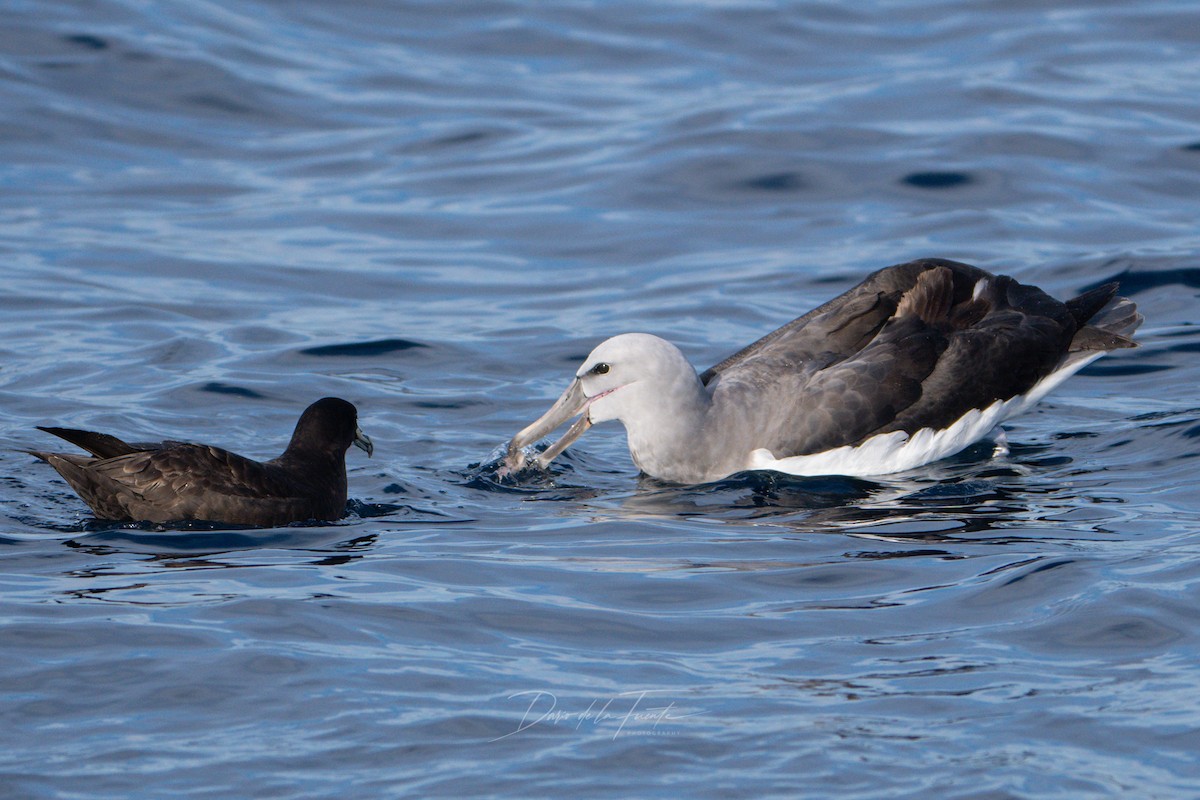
{"x":914,"y":364}
{"x":176,"y":481}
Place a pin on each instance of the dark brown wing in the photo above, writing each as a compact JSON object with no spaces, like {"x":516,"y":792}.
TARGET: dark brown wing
{"x":956,"y":339}
{"x":190,"y":481}
{"x":812,"y":411}
{"x":846,"y":324}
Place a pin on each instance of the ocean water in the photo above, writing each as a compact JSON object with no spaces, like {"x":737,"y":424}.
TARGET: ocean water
{"x":216,"y":212}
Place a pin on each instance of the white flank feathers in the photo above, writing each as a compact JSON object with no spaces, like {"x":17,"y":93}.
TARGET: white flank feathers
{"x":898,"y":451}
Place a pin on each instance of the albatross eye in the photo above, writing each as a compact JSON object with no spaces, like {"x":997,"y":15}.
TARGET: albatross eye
{"x":600,"y":369}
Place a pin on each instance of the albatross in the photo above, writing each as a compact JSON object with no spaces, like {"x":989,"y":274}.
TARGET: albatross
{"x":914,"y":364}
{"x":175,"y":481}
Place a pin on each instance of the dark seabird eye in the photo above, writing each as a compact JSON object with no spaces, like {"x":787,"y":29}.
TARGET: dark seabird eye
{"x":600,"y":369}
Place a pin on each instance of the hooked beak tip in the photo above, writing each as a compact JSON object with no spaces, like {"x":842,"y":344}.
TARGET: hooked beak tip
{"x":364,"y":443}
{"x":569,"y":404}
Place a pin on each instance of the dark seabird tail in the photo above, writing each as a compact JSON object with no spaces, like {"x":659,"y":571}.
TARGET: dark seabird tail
{"x":1084,"y":307}
{"x":1106,"y":321}
{"x":101,"y":494}
{"x":100,"y":445}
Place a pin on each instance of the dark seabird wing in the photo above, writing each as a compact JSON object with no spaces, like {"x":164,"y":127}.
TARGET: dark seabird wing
{"x":192,"y":481}
{"x":914,"y":346}
{"x":845,"y":325}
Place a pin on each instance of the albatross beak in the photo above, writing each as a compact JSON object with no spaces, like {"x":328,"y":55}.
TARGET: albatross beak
{"x":363,"y":442}
{"x":568,"y":405}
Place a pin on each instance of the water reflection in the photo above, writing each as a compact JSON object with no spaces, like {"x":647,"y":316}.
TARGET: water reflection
{"x":975,"y":496}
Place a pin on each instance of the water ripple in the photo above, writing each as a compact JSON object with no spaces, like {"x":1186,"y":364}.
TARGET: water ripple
{"x":217,"y":213}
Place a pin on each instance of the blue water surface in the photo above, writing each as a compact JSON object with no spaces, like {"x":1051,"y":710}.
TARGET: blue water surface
{"x":216,"y":212}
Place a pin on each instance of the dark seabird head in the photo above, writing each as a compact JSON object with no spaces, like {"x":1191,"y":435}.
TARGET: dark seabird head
{"x":329,"y":425}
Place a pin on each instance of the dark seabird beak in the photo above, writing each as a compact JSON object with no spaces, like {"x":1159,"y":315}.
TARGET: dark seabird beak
{"x":572,"y":402}
{"x":363,"y":442}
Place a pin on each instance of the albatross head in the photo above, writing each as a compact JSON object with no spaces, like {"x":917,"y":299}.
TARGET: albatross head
{"x":629,"y":377}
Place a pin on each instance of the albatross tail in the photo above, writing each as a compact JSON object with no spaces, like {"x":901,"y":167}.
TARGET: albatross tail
{"x":1106,"y":321}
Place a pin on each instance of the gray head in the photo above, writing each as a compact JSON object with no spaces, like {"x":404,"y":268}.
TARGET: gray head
{"x":631,"y":377}
{"x":628,"y":374}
